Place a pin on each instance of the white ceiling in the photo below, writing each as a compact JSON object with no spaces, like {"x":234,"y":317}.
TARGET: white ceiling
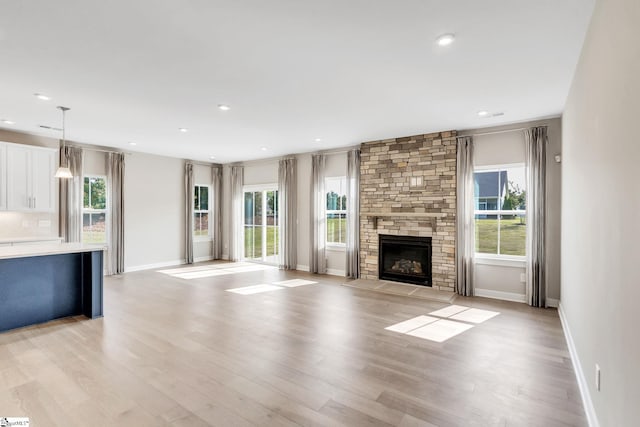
{"x":346,"y":71}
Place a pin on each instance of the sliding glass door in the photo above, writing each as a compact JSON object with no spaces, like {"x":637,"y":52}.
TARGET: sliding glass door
{"x":261,"y":232}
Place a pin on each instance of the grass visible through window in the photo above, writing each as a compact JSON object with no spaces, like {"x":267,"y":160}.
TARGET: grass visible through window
{"x":253,"y":241}
{"x":512,"y":236}
{"x":336,"y":230}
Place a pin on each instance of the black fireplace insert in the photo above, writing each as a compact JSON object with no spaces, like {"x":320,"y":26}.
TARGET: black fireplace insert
{"x":405,"y":259}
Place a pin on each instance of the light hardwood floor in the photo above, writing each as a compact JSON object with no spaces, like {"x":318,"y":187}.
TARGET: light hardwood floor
{"x":178,"y":352}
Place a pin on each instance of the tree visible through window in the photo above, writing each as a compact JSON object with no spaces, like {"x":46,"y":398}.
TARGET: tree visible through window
{"x":94,"y":210}
{"x":201,"y":211}
{"x":500,"y":210}
{"x":336,"y":210}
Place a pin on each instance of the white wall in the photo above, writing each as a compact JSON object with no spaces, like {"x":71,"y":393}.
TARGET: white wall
{"x":504,"y":281}
{"x":154,"y":214}
{"x":261,"y":172}
{"x":94,"y":163}
{"x":601,"y":201}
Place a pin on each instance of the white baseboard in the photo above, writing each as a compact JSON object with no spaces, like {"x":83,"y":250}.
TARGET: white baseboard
{"x":203,"y":259}
{"x":154,"y":266}
{"x":330,"y":271}
{"x":507,"y":296}
{"x":334,"y":272}
{"x":552,"y":302}
{"x":590,"y":411}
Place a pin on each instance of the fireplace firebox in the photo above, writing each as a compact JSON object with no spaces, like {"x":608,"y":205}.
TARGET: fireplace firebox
{"x":405,"y":259}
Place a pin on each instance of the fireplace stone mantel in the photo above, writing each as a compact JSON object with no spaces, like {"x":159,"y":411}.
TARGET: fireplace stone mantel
{"x":405,"y":214}
{"x":408,"y":188}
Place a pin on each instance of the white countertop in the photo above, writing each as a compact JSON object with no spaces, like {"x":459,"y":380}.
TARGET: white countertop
{"x":30,"y":239}
{"x":24,"y":251}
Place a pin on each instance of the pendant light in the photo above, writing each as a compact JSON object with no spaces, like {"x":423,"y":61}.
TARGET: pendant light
{"x":63,"y":171}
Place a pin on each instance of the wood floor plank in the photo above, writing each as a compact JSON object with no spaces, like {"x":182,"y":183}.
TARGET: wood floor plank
{"x":172,"y":351}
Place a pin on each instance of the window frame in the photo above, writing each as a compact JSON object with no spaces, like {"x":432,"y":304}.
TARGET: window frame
{"x":209,"y":236}
{"x":91,"y":211}
{"x":336,"y":246}
{"x":264,"y":189}
{"x":497,"y":258}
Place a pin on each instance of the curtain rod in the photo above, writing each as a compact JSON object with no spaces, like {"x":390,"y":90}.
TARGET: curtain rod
{"x":102,"y":150}
{"x":501,"y":131}
{"x":495,"y":132}
{"x":337,"y":150}
{"x":196,"y":162}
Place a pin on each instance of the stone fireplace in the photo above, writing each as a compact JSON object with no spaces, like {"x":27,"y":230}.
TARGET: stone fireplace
{"x":408,"y":188}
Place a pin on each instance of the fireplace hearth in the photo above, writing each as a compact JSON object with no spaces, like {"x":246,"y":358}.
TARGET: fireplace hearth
{"x":405,"y":259}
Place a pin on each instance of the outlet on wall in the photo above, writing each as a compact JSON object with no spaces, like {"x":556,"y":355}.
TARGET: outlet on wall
{"x":597,"y":377}
{"x":523,"y":278}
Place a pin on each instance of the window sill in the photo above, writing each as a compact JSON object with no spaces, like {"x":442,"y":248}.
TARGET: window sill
{"x":502,"y":261}
{"x":336,"y":248}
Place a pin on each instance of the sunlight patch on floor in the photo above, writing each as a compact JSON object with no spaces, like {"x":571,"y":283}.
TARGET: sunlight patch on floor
{"x":201,"y":271}
{"x":438,"y":327}
{"x":274,"y":286}
{"x":294,"y":283}
{"x":440,"y":331}
{"x":475,"y":315}
{"x":411,"y":324}
{"x":255,"y":289}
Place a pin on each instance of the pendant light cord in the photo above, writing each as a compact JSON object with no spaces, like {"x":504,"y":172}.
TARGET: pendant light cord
{"x":64,"y":111}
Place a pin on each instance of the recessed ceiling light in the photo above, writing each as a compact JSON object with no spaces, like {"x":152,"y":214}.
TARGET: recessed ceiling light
{"x":483,"y":113}
{"x":183,"y":130}
{"x":8,"y":122}
{"x":445,"y":39}
{"x":318,"y":140}
{"x":132,"y":143}
{"x":42,"y":96}
{"x":263,"y":148}
{"x":212,"y":157}
{"x":224,"y":107}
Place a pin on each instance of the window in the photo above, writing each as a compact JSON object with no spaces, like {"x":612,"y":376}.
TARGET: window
{"x":261,"y":230}
{"x":201,"y":212}
{"x":94,"y":210}
{"x":500,"y":210}
{"x":336,"y":212}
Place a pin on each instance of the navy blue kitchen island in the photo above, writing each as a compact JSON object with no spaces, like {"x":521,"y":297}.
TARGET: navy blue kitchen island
{"x":39,"y":283}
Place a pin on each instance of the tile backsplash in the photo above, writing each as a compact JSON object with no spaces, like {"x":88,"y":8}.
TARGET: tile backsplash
{"x":28,"y":224}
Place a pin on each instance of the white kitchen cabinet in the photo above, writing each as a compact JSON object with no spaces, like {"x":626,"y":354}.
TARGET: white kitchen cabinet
{"x":43,"y":185}
{"x":29,"y":178}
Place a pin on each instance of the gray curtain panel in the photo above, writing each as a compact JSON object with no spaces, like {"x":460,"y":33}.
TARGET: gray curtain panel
{"x":288,"y":218}
{"x":235,"y":239}
{"x":216,"y":186}
{"x":535,"y":164}
{"x":317,"y":254}
{"x":70,"y":196}
{"x":353,"y":214}
{"x":465,"y":220}
{"x":188,"y":232}
{"x":115,"y":224}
